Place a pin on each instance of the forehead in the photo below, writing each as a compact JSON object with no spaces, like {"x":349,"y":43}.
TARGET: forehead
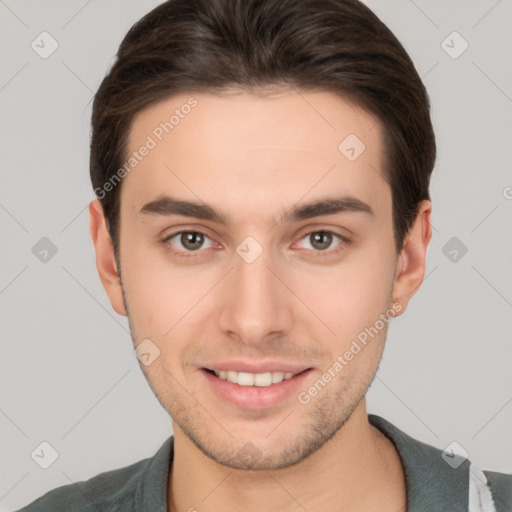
{"x":277,"y":147}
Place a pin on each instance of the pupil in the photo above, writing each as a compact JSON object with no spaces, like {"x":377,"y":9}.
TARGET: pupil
{"x":192,"y":241}
{"x":321,"y":240}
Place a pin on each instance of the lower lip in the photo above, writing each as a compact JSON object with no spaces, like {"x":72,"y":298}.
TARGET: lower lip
{"x":255,"y":397}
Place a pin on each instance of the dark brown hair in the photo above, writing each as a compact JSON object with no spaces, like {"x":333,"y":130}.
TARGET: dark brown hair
{"x":215,"y":45}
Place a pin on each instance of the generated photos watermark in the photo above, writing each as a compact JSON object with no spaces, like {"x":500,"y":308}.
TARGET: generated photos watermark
{"x":152,"y":140}
{"x":357,"y":345}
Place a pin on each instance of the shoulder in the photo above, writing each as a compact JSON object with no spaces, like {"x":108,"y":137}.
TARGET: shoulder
{"x":140,"y":486}
{"x":500,"y":485}
{"x":95,"y":494}
{"x":442,"y":480}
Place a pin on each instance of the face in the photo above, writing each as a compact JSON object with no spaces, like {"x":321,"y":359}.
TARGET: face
{"x":252,"y":242}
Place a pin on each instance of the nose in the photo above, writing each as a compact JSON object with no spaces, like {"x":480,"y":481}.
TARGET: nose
{"x":256,"y":306}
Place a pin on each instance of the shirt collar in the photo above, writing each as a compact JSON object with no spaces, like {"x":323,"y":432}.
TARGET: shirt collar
{"x":431,"y":483}
{"x":151,"y":495}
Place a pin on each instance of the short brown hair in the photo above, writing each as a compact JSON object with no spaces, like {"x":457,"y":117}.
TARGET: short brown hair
{"x":213,"y":45}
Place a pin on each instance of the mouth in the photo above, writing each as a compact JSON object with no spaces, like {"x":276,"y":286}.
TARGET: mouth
{"x":254,"y":391}
{"x":253,"y":379}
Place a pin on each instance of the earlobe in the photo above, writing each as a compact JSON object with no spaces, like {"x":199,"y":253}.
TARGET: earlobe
{"x":105,"y":257}
{"x":410,"y":269}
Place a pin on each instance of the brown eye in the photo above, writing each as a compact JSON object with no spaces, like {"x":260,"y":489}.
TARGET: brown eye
{"x":324,"y":241}
{"x":191,"y":240}
{"x":320,"y":240}
{"x":188,"y":241}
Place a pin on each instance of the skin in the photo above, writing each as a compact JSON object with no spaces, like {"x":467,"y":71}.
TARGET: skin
{"x":253,"y":157}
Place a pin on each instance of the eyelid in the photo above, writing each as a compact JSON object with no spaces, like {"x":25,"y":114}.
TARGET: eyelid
{"x":204,"y":235}
{"x":341,"y":231}
{"x":167,"y":238}
{"x":171,"y":231}
{"x":343,"y":241}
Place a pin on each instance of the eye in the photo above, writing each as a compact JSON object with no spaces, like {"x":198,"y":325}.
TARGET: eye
{"x":188,"y":241}
{"x":322,"y":240}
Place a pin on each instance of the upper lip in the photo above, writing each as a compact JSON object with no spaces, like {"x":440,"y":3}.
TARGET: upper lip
{"x":257,"y":367}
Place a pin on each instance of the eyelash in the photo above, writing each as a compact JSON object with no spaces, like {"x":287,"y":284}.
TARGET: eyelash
{"x":344,"y":242}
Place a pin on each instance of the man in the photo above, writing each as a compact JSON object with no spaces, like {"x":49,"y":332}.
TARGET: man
{"x":262,"y":172}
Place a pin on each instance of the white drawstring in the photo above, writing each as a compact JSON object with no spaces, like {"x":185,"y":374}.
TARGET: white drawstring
{"x":480,"y":498}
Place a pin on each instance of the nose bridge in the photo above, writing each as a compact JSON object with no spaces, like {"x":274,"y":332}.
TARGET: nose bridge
{"x":255,"y":306}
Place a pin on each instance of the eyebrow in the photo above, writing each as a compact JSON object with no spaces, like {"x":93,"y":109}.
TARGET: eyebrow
{"x":167,"y":206}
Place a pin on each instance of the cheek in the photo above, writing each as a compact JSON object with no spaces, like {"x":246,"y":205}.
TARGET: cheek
{"x":352,"y":295}
{"x":162,"y":298}
{"x":150,"y":293}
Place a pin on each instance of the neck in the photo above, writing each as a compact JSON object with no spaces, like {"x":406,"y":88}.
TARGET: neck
{"x":358,"y":469}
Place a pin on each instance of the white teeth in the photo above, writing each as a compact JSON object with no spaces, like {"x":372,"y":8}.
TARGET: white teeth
{"x":253,"y":379}
{"x":231,"y":376}
{"x":245,"y":379}
{"x":277,"y":377}
{"x":263,"y":379}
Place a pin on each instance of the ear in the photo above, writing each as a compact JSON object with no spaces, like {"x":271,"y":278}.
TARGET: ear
{"x":410,"y":267}
{"x":105,"y":259}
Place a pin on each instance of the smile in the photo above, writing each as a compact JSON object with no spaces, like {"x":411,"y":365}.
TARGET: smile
{"x":254,"y":391}
{"x":253,"y":379}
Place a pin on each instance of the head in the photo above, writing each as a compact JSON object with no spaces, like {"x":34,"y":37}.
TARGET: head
{"x":262,"y":174}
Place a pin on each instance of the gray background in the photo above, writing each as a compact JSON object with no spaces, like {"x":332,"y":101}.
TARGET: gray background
{"x":68,"y":374}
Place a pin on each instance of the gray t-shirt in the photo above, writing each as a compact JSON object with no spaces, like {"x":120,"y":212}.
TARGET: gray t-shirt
{"x":434,"y":484}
